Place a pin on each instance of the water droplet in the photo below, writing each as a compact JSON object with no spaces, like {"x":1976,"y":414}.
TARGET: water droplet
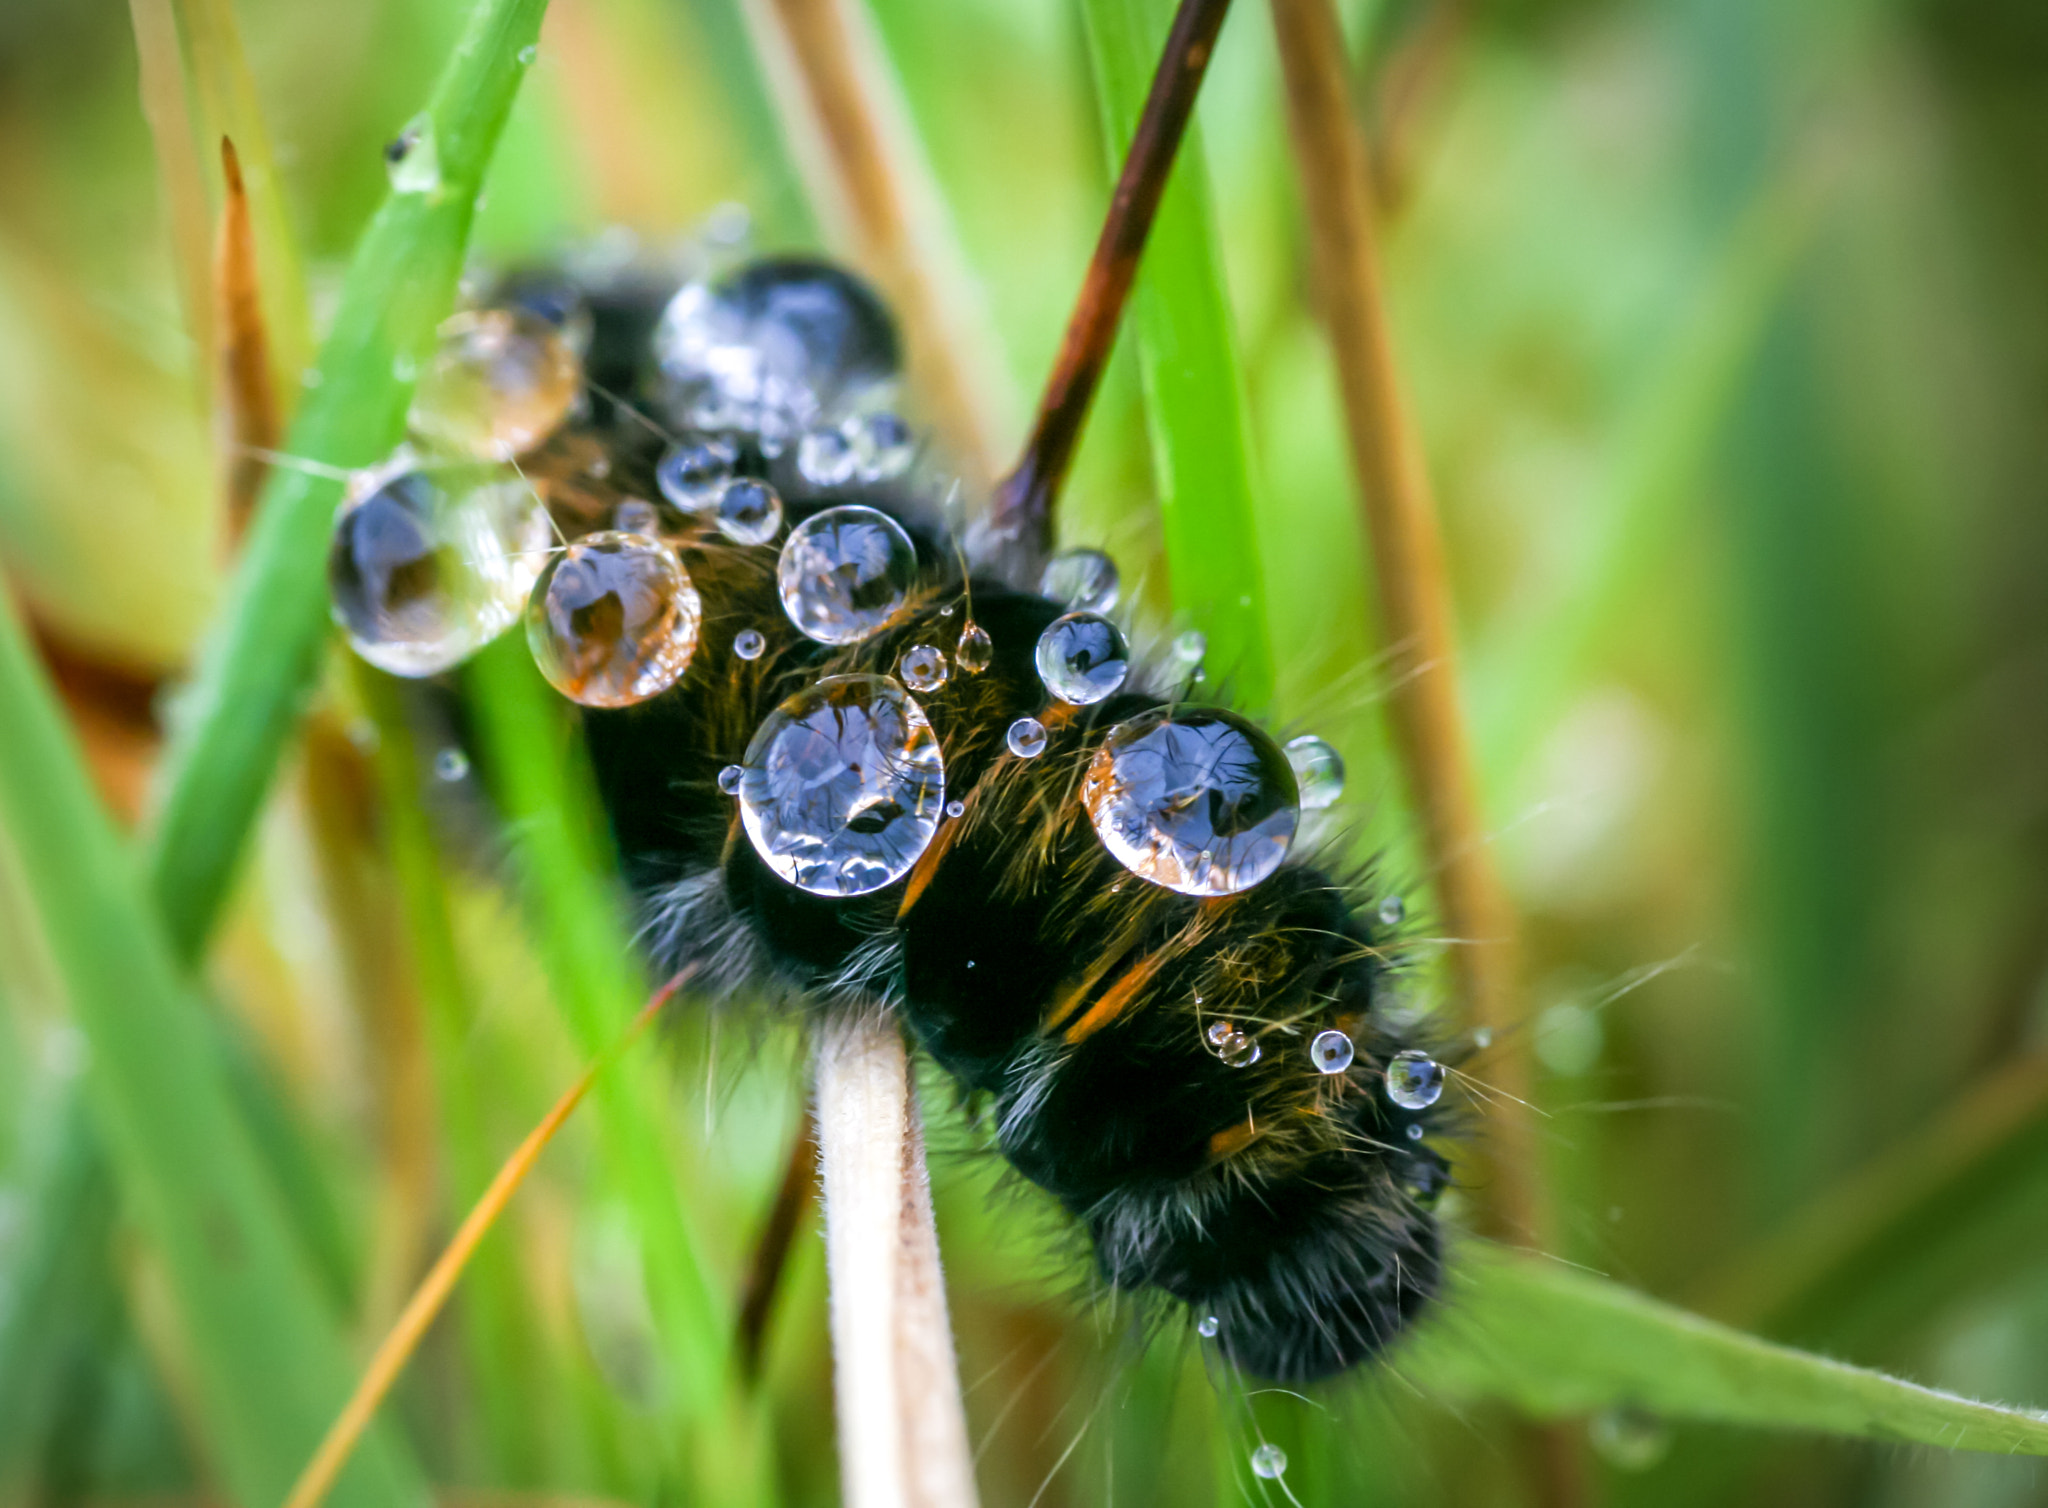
{"x":729,"y":779}
{"x":451,"y":764}
{"x":499,"y":382}
{"x":826,"y":458}
{"x":691,"y":475}
{"x":528,"y":53}
{"x":884,"y":446}
{"x":1197,"y":799}
{"x":1269,"y":1461}
{"x":749,"y":643}
{"x":1482,"y":1037}
{"x":599,"y":468}
{"x":956,"y":808}
{"x":1081,"y":658}
{"x":1026,"y":738}
{"x":1207,"y":1326}
{"x":749,"y":512}
{"x":1238,"y":1050}
{"x":975,"y":650}
{"x":778,"y":347}
{"x":1318,"y":770}
{"x":638,"y":516}
{"x":1331,"y":1052}
{"x":923,"y":668}
{"x":412,"y":160}
{"x":1415,"y":1132}
{"x":613,"y":620}
{"x":426,"y":567}
{"x":405,"y":367}
{"x":1184,"y":657}
{"x":843,"y":785}
{"x":1629,"y":1438}
{"x":844,"y":573}
{"x":1415,"y":1080}
{"x":1393,"y":910}
{"x":1083,"y":580}
{"x":1219,"y":1032}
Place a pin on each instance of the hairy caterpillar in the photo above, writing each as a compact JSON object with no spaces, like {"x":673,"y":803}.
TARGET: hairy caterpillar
{"x":848,"y":768}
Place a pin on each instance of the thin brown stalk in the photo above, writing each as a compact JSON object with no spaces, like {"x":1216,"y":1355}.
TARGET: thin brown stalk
{"x":1414,"y":589}
{"x":1022,"y":515}
{"x":874,"y":180}
{"x":317,"y":1480}
{"x":248,"y":420}
{"x":794,"y":1197}
{"x":162,"y":75}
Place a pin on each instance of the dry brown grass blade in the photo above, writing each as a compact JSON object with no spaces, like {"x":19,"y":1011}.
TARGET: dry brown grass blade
{"x":162,"y":73}
{"x":432,"y":1294}
{"x":873,"y":179}
{"x":248,"y":418}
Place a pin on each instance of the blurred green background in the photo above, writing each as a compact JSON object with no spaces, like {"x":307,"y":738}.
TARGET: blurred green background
{"x":1727,"y":324}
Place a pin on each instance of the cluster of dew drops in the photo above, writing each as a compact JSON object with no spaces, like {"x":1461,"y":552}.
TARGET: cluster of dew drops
{"x":442,"y":547}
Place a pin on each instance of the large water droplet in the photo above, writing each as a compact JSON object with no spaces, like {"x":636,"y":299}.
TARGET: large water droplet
{"x":1081,"y":658}
{"x":428,"y":566}
{"x":844,"y":573}
{"x":780,"y":346}
{"x":843,"y":785}
{"x":1415,"y":1080}
{"x":1269,"y":1461}
{"x":1318,"y":770}
{"x":613,"y":620}
{"x":1026,"y":738}
{"x":1083,"y":580}
{"x":692,"y":474}
{"x":923,"y":668}
{"x":1198,"y":799}
{"x":748,"y":512}
{"x":749,"y":643}
{"x":498,"y":383}
{"x":412,"y":159}
{"x":1331,"y":1052}
{"x":975,"y":650}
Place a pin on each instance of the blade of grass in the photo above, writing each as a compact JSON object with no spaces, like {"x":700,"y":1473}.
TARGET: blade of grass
{"x":249,"y":421}
{"x":782,"y":213}
{"x":1187,"y":356}
{"x":1558,"y":1341}
{"x":164,"y":107}
{"x":267,"y":1353}
{"x":252,"y":679}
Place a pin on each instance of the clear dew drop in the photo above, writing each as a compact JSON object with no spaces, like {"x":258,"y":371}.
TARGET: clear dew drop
{"x":826,"y":458}
{"x":729,"y":779}
{"x":613,"y":620}
{"x":498,"y":383}
{"x":1207,"y":1326}
{"x":1184,"y":656}
{"x":842,"y":785}
{"x":1084,"y":581}
{"x":956,"y":808}
{"x":1197,"y":799}
{"x":426,"y":567}
{"x":451,"y":764}
{"x":923,"y":668}
{"x":1269,"y":1461}
{"x":1415,"y":1132}
{"x":844,"y":573}
{"x":1026,"y":738}
{"x":1393,"y":910}
{"x":748,"y":512}
{"x":1318,"y":770}
{"x":638,"y":516}
{"x":1628,"y":1438}
{"x":1219,"y":1032}
{"x":1415,"y":1080}
{"x":976,"y":650}
{"x":1331,"y":1052}
{"x":883,"y":445}
{"x":692,"y":474}
{"x":749,"y":643}
{"x":528,"y":53}
{"x":1081,"y":658}
{"x":412,"y":159}
{"x":1239,"y":1050}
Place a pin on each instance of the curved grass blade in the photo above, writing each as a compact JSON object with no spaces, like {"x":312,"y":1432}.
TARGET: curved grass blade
{"x":1558,"y":1341}
{"x":253,"y":676}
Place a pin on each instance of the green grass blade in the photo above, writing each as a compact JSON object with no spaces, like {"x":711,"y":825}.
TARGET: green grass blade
{"x":1559,"y":1341}
{"x":1187,"y":356}
{"x":782,"y":212}
{"x":253,"y":677}
{"x":269,"y":1358}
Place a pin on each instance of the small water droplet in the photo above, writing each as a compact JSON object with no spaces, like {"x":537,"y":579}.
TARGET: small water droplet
{"x":749,"y":643}
{"x":826,"y":458}
{"x":1027,"y":738}
{"x":691,"y":475}
{"x":528,"y":53}
{"x":1415,"y":1080}
{"x":729,"y":779}
{"x":451,"y":764}
{"x":1081,"y":658}
{"x":883,"y":446}
{"x":1186,"y":654}
{"x":1393,"y":910}
{"x":1219,"y":1032}
{"x":613,"y":620}
{"x":412,"y":160}
{"x":599,"y":468}
{"x":1415,"y":1132}
{"x":1331,"y":1052}
{"x":637,"y":516}
{"x":975,"y":650}
{"x":1269,"y":1461}
{"x":843,"y":785}
{"x":748,"y":512}
{"x":1207,"y":1326}
{"x":844,"y":573}
{"x":1238,"y":1050}
{"x":923,"y":668}
{"x":1482,"y":1037}
{"x":1629,"y":1438}
{"x":1318,"y":769}
{"x":948,"y":610}
{"x":1081,"y":580}
{"x":499,"y":382}
{"x":405,"y":366}
{"x":956,"y":808}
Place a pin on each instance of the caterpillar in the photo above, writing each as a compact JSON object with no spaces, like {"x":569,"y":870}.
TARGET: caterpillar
{"x":852,"y":761}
